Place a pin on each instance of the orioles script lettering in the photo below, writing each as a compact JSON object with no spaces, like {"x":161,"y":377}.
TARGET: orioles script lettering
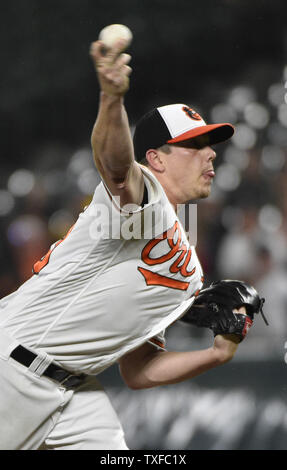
{"x":177,"y":250}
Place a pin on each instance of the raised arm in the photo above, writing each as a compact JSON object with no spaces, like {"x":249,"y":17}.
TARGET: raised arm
{"x":111,"y":138}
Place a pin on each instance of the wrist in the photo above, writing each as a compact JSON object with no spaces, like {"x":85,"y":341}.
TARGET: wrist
{"x":219,"y":357}
{"x":113,"y":106}
{"x":111,"y":98}
{"x":224,"y":347}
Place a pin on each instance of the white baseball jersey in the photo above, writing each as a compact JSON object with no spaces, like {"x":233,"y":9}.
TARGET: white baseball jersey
{"x":117,"y":280}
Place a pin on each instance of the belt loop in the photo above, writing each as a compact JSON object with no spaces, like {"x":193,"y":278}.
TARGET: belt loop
{"x":40,"y":364}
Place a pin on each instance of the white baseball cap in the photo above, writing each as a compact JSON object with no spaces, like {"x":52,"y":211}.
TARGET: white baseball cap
{"x":172,"y":124}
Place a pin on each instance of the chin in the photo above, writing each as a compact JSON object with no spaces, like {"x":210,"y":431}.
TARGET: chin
{"x":204,"y":193}
{"x":201,"y":193}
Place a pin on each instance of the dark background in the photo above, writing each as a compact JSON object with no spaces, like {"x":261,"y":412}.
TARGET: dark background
{"x":183,"y":50}
{"x":227,"y":53}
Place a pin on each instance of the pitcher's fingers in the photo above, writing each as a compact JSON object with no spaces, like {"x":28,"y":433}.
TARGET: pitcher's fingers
{"x":116,"y":50}
{"x":96,"y":52}
{"x":117,"y":76}
{"x":128,"y":70}
{"x":123,"y":59}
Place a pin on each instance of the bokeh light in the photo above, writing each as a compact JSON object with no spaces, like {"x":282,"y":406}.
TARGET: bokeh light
{"x":273,"y":158}
{"x":270,"y":218}
{"x":237,"y":157}
{"x":227,"y":177}
{"x":245,"y":137}
{"x":223,"y":112}
{"x":276,"y":94}
{"x":241,"y":96}
{"x":7,"y":202}
{"x":88,"y":180}
{"x":282,"y":114}
{"x":256,"y":115}
{"x":21,"y":182}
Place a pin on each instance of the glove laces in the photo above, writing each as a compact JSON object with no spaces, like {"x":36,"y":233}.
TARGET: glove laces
{"x":261,"y":311}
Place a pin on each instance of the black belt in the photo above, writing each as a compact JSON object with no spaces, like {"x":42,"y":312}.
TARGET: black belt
{"x":65,"y":378}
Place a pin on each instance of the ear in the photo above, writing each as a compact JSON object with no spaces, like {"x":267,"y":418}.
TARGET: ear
{"x":154,"y":160}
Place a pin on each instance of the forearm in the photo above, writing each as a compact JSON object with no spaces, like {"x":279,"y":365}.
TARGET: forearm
{"x":174,"y":367}
{"x":111,"y":139}
{"x":168,"y":367}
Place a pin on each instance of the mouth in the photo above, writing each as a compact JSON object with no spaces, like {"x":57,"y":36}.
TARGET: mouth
{"x":209,"y":174}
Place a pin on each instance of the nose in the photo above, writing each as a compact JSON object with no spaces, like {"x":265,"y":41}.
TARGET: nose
{"x":210,"y":154}
{"x":213,"y":154}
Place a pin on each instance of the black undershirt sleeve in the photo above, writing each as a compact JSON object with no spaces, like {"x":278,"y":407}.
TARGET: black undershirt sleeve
{"x":145,"y":197}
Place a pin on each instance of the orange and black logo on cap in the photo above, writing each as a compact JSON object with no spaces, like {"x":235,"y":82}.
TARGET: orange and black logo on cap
{"x":191,"y":113}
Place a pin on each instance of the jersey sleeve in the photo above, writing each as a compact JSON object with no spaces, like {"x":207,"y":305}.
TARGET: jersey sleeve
{"x":152,"y":194}
{"x":158,"y":341}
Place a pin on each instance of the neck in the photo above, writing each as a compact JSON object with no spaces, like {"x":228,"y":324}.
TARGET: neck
{"x":173,"y":193}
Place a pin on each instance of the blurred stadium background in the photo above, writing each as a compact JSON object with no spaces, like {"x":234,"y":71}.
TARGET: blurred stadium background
{"x":228,"y":60}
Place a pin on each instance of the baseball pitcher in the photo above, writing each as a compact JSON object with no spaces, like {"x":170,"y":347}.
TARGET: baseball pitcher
{"x":124,"y":272}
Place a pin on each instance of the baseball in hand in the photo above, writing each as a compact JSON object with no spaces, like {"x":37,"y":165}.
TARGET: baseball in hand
{"x":114,"y":32}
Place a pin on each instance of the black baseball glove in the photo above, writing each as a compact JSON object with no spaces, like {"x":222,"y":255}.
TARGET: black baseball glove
{"x":213,"y":308}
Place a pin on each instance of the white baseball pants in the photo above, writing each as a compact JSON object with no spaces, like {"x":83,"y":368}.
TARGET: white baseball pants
{"x":37,"y":413}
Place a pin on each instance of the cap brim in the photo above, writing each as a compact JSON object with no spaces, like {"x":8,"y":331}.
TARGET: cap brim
{"x":217,"y":133}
